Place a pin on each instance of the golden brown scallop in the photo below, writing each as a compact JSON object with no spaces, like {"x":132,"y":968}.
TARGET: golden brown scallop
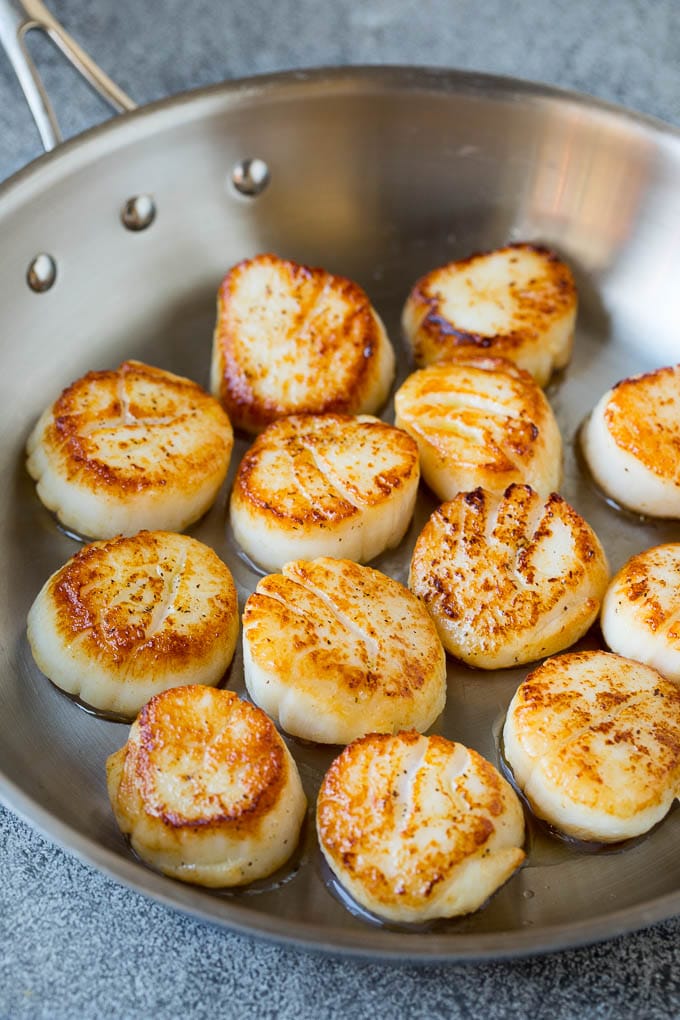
{"x":127,"y":618}
{"x":641,"y":610}
{"x":631,"y":442}
{"x":134,"y":448}
{"x":518,"y":302}
{"x":480,"y":421}
{"x":418,"y":827}
{"x":509,"y":578}
{"x":324,"y":485}
{"x":333,"y":650}
{"x":206,"y":789}
{"x":291,"y":339}
{"x":593,"y":740}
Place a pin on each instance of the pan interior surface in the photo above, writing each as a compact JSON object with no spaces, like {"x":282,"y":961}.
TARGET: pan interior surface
{"x":380,"y":175}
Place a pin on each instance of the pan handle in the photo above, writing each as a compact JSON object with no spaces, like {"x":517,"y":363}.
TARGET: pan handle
{"x":17,"y":18}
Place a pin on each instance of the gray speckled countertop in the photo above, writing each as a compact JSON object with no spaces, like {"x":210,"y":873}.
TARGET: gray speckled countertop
{"x":72,"y":942}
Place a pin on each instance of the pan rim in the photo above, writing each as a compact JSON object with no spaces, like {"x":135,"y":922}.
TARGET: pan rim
{"x":391,"y":76}
{"x":376,"y":943}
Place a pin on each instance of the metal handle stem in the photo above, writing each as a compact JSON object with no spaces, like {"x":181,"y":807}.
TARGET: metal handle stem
{"x":17,"y":18}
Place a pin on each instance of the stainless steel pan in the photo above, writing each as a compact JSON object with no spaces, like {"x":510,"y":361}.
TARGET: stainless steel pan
{"x":381,"y":174}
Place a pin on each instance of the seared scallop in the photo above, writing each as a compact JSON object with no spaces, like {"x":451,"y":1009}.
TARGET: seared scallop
{"x":641,"y":610}
{"x":518,"y":302}
{"x":129,"y":449}
{"x":333,"y":650}
{"x":206,"y":790}
{"x":480,"y":421}
{"x":508,"y":579}
{"x":631,"y":442}
{"x":416,"y":828}
{"x":291,"y":339}
{"x":593,"y":740}
{"x":324,"y":485}
{"x":127,"y":618}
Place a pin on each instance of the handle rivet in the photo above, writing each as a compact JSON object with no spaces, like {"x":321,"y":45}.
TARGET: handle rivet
{"x":250,"y":177}
{"x":41,"y":273}
{"x":138,"y":212}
